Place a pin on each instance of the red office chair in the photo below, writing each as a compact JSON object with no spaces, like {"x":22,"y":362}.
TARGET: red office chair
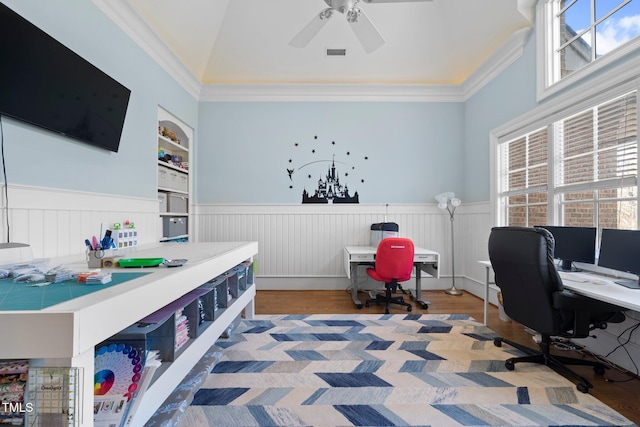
{"x":394,"y":263}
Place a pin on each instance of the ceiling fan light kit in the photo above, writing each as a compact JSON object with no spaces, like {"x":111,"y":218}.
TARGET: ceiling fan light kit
{"x":366,"y":33}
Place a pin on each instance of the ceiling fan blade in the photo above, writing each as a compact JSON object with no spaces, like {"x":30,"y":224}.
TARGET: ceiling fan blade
{"x":393,"y":1}
{"x":312,"y":29}
{"x":368,"y":35}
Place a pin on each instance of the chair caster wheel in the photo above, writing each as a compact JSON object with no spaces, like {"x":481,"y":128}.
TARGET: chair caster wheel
{"x":386,"y":311}
{"x":425,"y":306}
{"x":497,"y":342}
{"x":599,"y":370}
{"x":366,"y":304}
{"x":409,"y":308}
{"x":359,"y":306}
{"x":582,"y":388}
{"x":509,"y":365}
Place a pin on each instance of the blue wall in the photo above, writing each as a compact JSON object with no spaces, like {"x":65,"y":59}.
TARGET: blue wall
{"x":413,"y":150}
{"x":41,"y":158}
{"x":509,"y":95}
{"x":416,"y":150}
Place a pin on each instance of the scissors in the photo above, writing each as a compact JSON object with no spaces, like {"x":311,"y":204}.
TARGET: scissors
{"x":97,"y":248}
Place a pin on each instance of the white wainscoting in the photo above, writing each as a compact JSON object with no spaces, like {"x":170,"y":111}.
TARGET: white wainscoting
{"x":56,"y":222}
{"x":306,"y":241}
{"x":300,"y":245}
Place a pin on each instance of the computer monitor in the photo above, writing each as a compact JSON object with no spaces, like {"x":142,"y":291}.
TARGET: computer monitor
{"x":573,"y":244}
{"x":620,"y":250}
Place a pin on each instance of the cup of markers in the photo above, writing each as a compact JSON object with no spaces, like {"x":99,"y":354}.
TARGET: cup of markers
{"x":96,"y":249}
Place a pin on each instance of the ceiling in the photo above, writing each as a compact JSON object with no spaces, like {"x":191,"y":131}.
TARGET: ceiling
{"x":247,"y":41}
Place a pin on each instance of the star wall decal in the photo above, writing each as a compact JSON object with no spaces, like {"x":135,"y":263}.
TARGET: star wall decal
{"x":322,"y":162}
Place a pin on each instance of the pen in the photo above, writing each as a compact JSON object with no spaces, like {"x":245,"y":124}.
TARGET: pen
{"x":88,"y":243}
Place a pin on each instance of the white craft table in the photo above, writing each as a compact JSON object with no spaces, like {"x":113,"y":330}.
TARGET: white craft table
{"x":65,"y":334}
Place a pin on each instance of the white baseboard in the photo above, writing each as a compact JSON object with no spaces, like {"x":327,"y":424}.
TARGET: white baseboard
{"x":476,"y":288}
{"x":339,"y":283}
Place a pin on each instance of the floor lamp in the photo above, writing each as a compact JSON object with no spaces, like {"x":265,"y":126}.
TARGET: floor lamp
{"x":449,"y":202}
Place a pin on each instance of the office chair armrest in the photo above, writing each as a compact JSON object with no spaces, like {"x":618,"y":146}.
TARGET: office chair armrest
{"x":582,"y":312}
{"x":567,"y":300}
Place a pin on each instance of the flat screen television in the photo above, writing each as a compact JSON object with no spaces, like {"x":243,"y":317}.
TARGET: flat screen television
{"x":573,"y":244}
{"x":620,"y":250}
{"x":46,"y":84}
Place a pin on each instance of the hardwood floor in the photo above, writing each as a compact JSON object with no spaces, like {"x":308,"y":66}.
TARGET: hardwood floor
{"x":622,"y":396}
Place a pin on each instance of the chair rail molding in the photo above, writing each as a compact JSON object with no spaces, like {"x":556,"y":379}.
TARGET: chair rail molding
{"x":56,"y":222}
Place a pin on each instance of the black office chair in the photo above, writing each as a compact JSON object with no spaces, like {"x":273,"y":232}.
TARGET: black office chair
{"x":532,"y":292}
{"x":394,"y":263}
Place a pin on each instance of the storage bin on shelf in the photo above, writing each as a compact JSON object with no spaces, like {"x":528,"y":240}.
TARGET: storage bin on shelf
{"x":215,"y":301}
{"x":162,"y":201}
{"x":158,"y":330}
{"x":172,"y":179}
{"x":233,"y":285}
{"x":174,"y":226}
{"x":241,"y":273}
{"x":177,"y":203}
{"x":250,"y":276}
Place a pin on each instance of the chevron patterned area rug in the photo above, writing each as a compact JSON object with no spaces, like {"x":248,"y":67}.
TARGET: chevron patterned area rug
{"x":382,"y":370}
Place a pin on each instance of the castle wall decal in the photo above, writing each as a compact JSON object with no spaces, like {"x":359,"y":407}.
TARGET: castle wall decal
{"x":330,"y":190}
{"x":331,"y":185}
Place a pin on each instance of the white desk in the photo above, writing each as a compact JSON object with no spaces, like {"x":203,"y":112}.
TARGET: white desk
{"x":601,"y":288}
{"x":593,"y":285}
{"x":423,"y":259}
{"x":487,"y":283}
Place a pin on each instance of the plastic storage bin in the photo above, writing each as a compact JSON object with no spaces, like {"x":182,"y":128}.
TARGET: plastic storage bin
{"x":177,"y":203}
{"x":174,"y":226}
{"x":162,"y":201}
{"x":216,"y":300}
{"x":382,"y":230}
{"x":158,"y":330}
{"x":163,"y":177}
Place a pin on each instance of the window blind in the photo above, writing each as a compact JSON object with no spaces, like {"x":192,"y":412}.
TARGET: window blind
{"x":597,"y":148}
{"x":523,"y":179}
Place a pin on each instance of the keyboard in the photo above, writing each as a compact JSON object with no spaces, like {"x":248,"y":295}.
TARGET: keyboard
{"x":581,"y":277}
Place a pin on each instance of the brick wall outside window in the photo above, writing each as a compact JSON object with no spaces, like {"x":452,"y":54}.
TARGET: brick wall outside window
{"x":594,"y":170}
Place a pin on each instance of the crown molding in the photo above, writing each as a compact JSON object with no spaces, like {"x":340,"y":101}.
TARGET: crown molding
{"x":129,"y":21}
{"x":499,"y":61}
{"x":330,"y":93}
{"x":125,"y":16}
{"x":527,"y":8}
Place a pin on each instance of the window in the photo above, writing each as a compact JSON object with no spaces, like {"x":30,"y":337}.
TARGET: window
{"x":523,"y":178}
{"x":575,"y":35}
{"x":596,"y":165}
{"x":592,"y":157}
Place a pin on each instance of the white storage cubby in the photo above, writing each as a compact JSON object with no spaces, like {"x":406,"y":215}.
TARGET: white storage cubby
{"x":175,"y":145}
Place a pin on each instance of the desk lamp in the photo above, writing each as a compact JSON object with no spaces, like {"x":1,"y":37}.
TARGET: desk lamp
{"x":449,"y":202}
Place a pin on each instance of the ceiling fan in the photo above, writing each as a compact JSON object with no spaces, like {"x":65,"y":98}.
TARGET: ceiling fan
{"x":369,"y":37}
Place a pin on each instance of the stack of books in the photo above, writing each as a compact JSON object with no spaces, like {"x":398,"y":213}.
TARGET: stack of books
{"x":182,"y":330}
